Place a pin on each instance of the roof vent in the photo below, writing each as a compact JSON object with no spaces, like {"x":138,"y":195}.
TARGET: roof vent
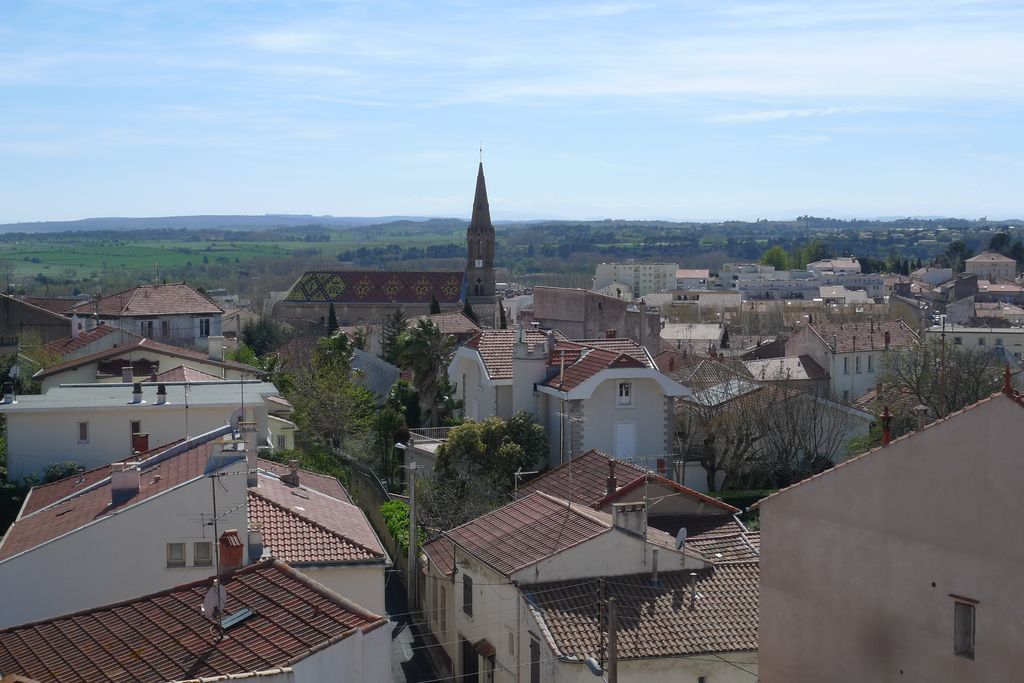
{"x":161,"y":394}
{"x":137,"y":393}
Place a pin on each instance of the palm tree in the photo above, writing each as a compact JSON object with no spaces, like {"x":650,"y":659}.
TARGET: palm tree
{"x":425,"y":351}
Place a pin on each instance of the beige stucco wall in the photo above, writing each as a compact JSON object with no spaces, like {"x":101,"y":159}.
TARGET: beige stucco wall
{"x":858,"y":565}
{"x":601,"y":413}
{"x":363,"y":584}
{"x":473,"y":386}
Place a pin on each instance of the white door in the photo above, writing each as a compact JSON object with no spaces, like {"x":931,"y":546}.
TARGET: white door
{"x":625,"y":439}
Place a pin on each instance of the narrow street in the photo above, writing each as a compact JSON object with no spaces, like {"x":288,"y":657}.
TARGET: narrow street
{"x":409,"y":661}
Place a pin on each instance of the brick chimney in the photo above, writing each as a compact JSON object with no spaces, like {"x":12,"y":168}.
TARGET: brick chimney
{"x":127,"y":375}
{"x":630,"y":517}
{"x":292,"y":476}
{"x":125,"y":481}
{"x":231,"y":549}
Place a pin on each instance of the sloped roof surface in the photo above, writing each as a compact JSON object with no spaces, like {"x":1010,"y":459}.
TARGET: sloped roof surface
{"x":850,"y":337}
{"x":165,"y":637}
{"x":496,"y":346}
{"x":786,"y":368}
{"x":62,"y":347}
{"x":59,"y":305}
{"x":990,"y":257}
{"x":519,"y":534}
{"x":323,"y":483}
{"x":618,"y":345}
{"x":371,"y":286}
{"x":67,"y":515}
{"x":583,"y":479}
{"x":654,"y":621}
{"x":303,"y":526}
{"x":454,"y":322}
{"x":589,"y":364}
{"x":143,"y":344}
{"x":176,"y":298}
{"x":183,"y":373}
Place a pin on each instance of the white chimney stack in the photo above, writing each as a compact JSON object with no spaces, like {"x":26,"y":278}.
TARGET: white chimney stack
{"x":127,"y":375}
{"x":125,"y":481}
{"x":137,"y":393}
{"x":630,"y":517}
{"x":215,"y":347}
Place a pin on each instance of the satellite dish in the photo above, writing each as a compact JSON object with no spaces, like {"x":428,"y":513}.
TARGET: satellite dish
{"x":681,"y":538}
{"x":214,"y":602}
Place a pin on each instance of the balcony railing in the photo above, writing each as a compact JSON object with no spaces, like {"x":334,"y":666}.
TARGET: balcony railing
{"x":430,"y":433}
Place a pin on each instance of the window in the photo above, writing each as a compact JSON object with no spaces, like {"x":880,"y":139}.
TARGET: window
{"x":175,"y":554}
{"x":846,"y":365}
{"x":625,"y":394}
{"x":957,"y":341}
{"x":999,"y":341}
{"x":489,"y":665}
{"x":165,"y":329}
{"x":136,"y":426}
{"x":963,"y":629}
{"x":856,"y":364}
{"x":534,"y":660}
{"x":511,"y":641}
{"x":281,"y":442}
{"x":437,"y":605}
{"x":203,"y":554}
{"x":846,"y":396}
{"x":83,"y":432}
{"x":871,"y":363}
{"x":146,"y":329}
{"x":204,"y":327}
{"x":981,"y":341}
{"x":467,"y":594}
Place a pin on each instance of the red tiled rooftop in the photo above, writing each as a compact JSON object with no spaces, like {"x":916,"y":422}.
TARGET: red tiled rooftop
{"x":49,"y":521}
{"x":618,"y":345}
{"x":588,"y":365}
{"x":519,"y":534}
{"x":183,"y":373}
{"x":496,"y":346}
{"x":59,"y":305}
{"x":303,"y":526}
{"x":870,"y":336}
{"x":323,"y":483}
{"x":62,"y":347}
{"x":143,"y":345}
{"x":583,"y":479}
{"x":165,"y":637}
{"x":176,"y":298}
{"x":654,"y":621}
{"x":455,"y":322}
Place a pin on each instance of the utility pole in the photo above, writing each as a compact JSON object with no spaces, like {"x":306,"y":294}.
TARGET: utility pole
{"x":613,"y":654}
{"x":412,"y":535}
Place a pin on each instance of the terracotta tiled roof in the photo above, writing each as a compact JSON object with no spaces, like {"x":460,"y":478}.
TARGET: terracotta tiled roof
{"x":707,"y":373}
{"x":151,"y":300}
{"x":165,"y":637}
{"x":455,"y":322}
{"x":323,"y":483}
{"x":496,"y":346}
{"x":583,"y":479}
{"x":654,"y":621}
{"x":143,"y":345}
{"x":58,"y":305}
{"x":520,"y":533}
{"x":303,"y":526}
{"x":589,"y":364}
{"x":990,"y":257}
{"x":850,"y":337}
{"x":618,"y":345}
{"x":159,"y":474}
{"x":786,"y":368}
{"x":374,"y":286}
{"x":727,"y":543}
{"x":62,"y":347}
{"x":183,"y":373}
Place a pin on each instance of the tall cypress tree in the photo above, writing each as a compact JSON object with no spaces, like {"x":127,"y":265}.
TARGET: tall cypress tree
{"x":470,"y":313}
{"x":435,"y":305}
{"x":502,"y":322}
{"x":332,"y":321}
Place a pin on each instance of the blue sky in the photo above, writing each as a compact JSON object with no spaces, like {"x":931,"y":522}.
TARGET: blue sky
{"x":585,"y":109}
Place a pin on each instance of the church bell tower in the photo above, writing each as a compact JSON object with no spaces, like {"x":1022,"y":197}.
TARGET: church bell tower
{"x":480,"y":286}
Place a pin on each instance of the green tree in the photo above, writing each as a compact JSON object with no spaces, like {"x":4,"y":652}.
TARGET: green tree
{"x":263,"y":335}
{"x":387,"y":424}
{"x":404,"y":398}
{"x":435,"y":305}
{"x":467,"y":309}
{"x":776,"y":256}
{"x":332,"y":320}
{"x":1000,"y":243}
{"x":425,"y":351}
{"x":332,"y":411}
{"x":394,"y":325}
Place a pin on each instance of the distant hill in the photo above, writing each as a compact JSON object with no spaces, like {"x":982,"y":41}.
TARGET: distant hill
{"x":205,"y":222}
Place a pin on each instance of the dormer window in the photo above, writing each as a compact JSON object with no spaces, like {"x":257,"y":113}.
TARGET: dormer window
{"x":625,"y":394}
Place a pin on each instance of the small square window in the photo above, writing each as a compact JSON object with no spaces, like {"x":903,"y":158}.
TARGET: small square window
{"x":83,"y":432}
{"x":204,"y":327}
{"x":625,"y":394}
{"x":981,"y":341}
{"x":999,"y":341}
{"x":136,"y":426}
{"x":963,"y":629}
{"x":175,"y":554}
{"x":203,"y":556}
{"x":957,"y":341}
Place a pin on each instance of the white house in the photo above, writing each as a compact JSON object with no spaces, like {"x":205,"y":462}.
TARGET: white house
{"x":144,"y":357}
{"x":853,"y":354}
{"x":642,"y":277}
{"x":175,"y":313}
{"x":520,"y":594}
{"x":166,"y":513}
{"x":986,"y":339}
{"x":992,"y":267}
{"x":96,"y":424}
{"x":904,"y":562}
{"x":835,"y":266}
{"x":600,"y":393}
{"x":277,"y":626}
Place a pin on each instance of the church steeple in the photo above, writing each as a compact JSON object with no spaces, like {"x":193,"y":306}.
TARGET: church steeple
{"x":480,"y":244}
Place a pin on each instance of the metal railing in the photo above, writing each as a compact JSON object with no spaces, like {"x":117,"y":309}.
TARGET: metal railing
{"x":430,"y":433}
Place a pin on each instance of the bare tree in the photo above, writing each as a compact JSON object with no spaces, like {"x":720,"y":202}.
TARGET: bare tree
{"x":944,"y":377}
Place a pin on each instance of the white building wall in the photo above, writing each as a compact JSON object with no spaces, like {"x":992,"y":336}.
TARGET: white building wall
{"x":122,"y":555}
{"x":363,"y":584}
{"x":981,"y":339}
{"x":37,"y":439}
{"x":647,"y":412}
{"x":181,"y":329}
{"x":473,"y":386}
{"x":360,"y":657}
